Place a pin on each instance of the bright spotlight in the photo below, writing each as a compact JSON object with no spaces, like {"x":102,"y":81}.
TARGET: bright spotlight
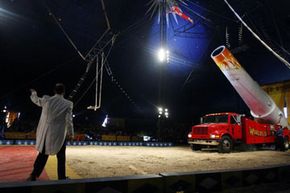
{"x":105,"y":122}
{"x":166,"y":114}
{"x":163,"y":112}
{"x":163,"y":55}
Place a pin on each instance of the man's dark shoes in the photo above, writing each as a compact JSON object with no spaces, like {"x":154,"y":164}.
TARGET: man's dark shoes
{"x":65,"y":178}
{"x":31,"y":178}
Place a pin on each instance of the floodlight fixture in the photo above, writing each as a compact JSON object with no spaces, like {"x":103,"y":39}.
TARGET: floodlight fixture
{"x":163,"y":55}
{"x":160,"y":110}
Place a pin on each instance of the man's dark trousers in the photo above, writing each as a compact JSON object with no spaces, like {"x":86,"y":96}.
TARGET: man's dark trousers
{"x":42,"y":159}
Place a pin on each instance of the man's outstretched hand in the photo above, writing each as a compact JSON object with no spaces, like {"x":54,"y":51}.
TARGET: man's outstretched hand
{"x":32,"y":90}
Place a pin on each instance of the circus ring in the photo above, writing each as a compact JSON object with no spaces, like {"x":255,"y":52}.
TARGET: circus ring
{"x":137,"y":167}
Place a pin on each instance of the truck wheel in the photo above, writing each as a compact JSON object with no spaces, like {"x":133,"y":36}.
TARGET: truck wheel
{"x":225,"y":145}
{"x":195,"y":147}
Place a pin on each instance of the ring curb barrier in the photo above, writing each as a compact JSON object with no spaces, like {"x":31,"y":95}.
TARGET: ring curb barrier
{"x":96,"y":143}
{"x":185,"y":182}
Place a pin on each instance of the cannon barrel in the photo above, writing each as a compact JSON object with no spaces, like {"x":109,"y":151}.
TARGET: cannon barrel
{"x":262,"y":107}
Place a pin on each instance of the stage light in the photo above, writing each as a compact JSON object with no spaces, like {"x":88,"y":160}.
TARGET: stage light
{"x":105,"y":121}
{"x":166,"y":114}
{"x":285,"y":112}
{"x":160,"y":110}
{"x":163,"y":55}
{"x":163,"y":112}
{"x":4,"y":110}
{"x":146,"y":138}
{"x":167,"y":56}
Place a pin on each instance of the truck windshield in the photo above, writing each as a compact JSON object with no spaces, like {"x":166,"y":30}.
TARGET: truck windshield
{"x":215,"y":119}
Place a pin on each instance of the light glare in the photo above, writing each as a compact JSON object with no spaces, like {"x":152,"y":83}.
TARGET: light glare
{"x":105,"y":122}
{"x":161,"y":55}
{"x":285,"y":112}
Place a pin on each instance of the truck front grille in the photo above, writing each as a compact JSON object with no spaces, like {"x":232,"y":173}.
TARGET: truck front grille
{"x":200,"y":130}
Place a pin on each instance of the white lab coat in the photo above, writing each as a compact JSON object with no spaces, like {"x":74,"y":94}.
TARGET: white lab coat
{"x":55,"y":122}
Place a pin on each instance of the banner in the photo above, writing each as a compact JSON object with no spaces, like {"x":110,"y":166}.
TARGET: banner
{"x":280,"y":93}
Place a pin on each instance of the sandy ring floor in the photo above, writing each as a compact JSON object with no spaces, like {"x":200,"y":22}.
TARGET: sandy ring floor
{"x":109,"y":161}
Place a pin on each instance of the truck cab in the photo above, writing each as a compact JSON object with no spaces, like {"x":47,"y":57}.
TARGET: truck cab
{"x":217,"y":129}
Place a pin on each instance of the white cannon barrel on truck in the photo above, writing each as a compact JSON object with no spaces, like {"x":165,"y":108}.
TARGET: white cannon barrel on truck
{"x":262,"y":107}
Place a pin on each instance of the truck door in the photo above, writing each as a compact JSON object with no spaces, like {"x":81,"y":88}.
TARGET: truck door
{"x":235,"y":121}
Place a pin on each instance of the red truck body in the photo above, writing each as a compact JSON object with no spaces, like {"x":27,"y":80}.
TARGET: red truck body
{"x":226,"y":130}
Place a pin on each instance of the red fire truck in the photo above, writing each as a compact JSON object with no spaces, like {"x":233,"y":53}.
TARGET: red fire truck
{"x":227,"y":130}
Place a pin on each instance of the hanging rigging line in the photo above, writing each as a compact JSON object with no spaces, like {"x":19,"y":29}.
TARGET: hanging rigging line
{"x":64,"y":32}
{"x":257,"y":37}
{"x":92,"y":53}
{"x":90,"y":57}
{"x":99,"y":83}
{"x":112,"y":40}
{"x":93,"y":56}
{"x":106,"y":15}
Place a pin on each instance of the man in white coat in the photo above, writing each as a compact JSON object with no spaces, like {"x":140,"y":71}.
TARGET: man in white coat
{"x":54,"y":125}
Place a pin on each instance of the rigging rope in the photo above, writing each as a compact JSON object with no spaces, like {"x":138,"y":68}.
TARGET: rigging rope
{"x":64,"y":32}
{"x":80,"y":82}
{"x":92,"y":59}
{"x":92,"y":53}
{"x":99,"y":94}
{"x":257,"y":37}
{"x":209,"y":11}
{"x":99,"y":83}
{"x":105,"y":58}
{"x":105,"y":13}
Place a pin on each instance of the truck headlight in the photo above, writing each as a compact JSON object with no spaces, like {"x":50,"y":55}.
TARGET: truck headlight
{"x":189,"y":135}
{"x":213,"y":136}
